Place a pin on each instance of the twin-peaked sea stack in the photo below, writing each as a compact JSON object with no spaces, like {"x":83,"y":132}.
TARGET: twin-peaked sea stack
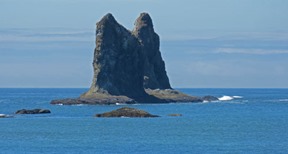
{"x":128,"y":67}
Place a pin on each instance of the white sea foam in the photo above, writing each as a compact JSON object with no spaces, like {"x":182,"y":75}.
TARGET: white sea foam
{"x":283,"y":100}
{"x":237,"y":96}
{"x":225,"y":98}
{"x":229,"y":98}
{"x":79,"y":105}
{"x":121,"y":104}
{"x":205,"y":101}
{"x":124,"y":117}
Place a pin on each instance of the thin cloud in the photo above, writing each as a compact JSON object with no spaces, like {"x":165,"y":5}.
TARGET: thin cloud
{"x":224,"y":36}
{"x":250,"y":51}
{"x":28,"y":35}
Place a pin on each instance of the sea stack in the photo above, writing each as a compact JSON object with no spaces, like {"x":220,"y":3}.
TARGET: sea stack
{"x":128,"y":67}
{"x":117,"y":62}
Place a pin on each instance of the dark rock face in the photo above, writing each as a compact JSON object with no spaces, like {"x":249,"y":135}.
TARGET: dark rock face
{"x":34,"y":111}
{"x":117,"y":61}
{"x":155,"y":76}
{"x":126,"y":112}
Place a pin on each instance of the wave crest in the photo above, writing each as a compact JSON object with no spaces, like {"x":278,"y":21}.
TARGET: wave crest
{"x":228,"y":98}
{"x":225,"y":98}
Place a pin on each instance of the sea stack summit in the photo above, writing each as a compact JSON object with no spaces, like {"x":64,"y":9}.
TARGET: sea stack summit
{"x":128,"y":67}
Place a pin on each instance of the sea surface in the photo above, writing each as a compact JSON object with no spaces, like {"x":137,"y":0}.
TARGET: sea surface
{"x":245,"y":121}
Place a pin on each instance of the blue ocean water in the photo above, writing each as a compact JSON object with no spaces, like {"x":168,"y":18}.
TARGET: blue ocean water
{"x":256,"y":122}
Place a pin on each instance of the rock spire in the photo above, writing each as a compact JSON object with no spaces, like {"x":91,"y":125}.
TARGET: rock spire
{"x":155,"y":76}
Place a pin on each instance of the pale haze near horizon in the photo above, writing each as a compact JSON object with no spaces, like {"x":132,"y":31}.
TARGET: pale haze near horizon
{"x":205,"y":44}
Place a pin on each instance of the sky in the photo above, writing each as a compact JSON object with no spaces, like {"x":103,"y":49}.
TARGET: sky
{"x":204,"y":43}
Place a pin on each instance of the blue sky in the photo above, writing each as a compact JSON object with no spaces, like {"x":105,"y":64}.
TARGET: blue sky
{"x":205,"y":43}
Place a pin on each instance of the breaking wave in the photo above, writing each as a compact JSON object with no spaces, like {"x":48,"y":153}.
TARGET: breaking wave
{"x":228,"y":98}
{"x":225,"y":98}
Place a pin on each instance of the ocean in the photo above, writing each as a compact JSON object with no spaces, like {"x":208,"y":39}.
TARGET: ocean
{"x":245,"y":121}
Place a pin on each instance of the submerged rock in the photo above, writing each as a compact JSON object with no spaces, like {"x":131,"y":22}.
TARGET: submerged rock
{"x":126,"y":112}
{"x":33,"y":111}
{"x":210,"y":98}
{"x":175,"y":115}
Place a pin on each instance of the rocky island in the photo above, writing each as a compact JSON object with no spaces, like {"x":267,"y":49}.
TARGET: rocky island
{"x":127,"y":112}
{"x":33,"y":111}
{"x":128,"y":67}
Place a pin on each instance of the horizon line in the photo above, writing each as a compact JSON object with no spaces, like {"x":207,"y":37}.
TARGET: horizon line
{"x":172,"y":88}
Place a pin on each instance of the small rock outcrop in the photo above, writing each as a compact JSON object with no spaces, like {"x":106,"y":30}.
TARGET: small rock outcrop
{"x":33,"y":111}
{"x":127,"y":112}
{"x":171,"y":95}
{"x":128,"y":67}
{"x":209,"y":98}
{"x":3,"y":116}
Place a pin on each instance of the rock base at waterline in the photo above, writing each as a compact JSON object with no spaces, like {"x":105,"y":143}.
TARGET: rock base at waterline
{"x":94,"y":101}
{"x":159,"y":96}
